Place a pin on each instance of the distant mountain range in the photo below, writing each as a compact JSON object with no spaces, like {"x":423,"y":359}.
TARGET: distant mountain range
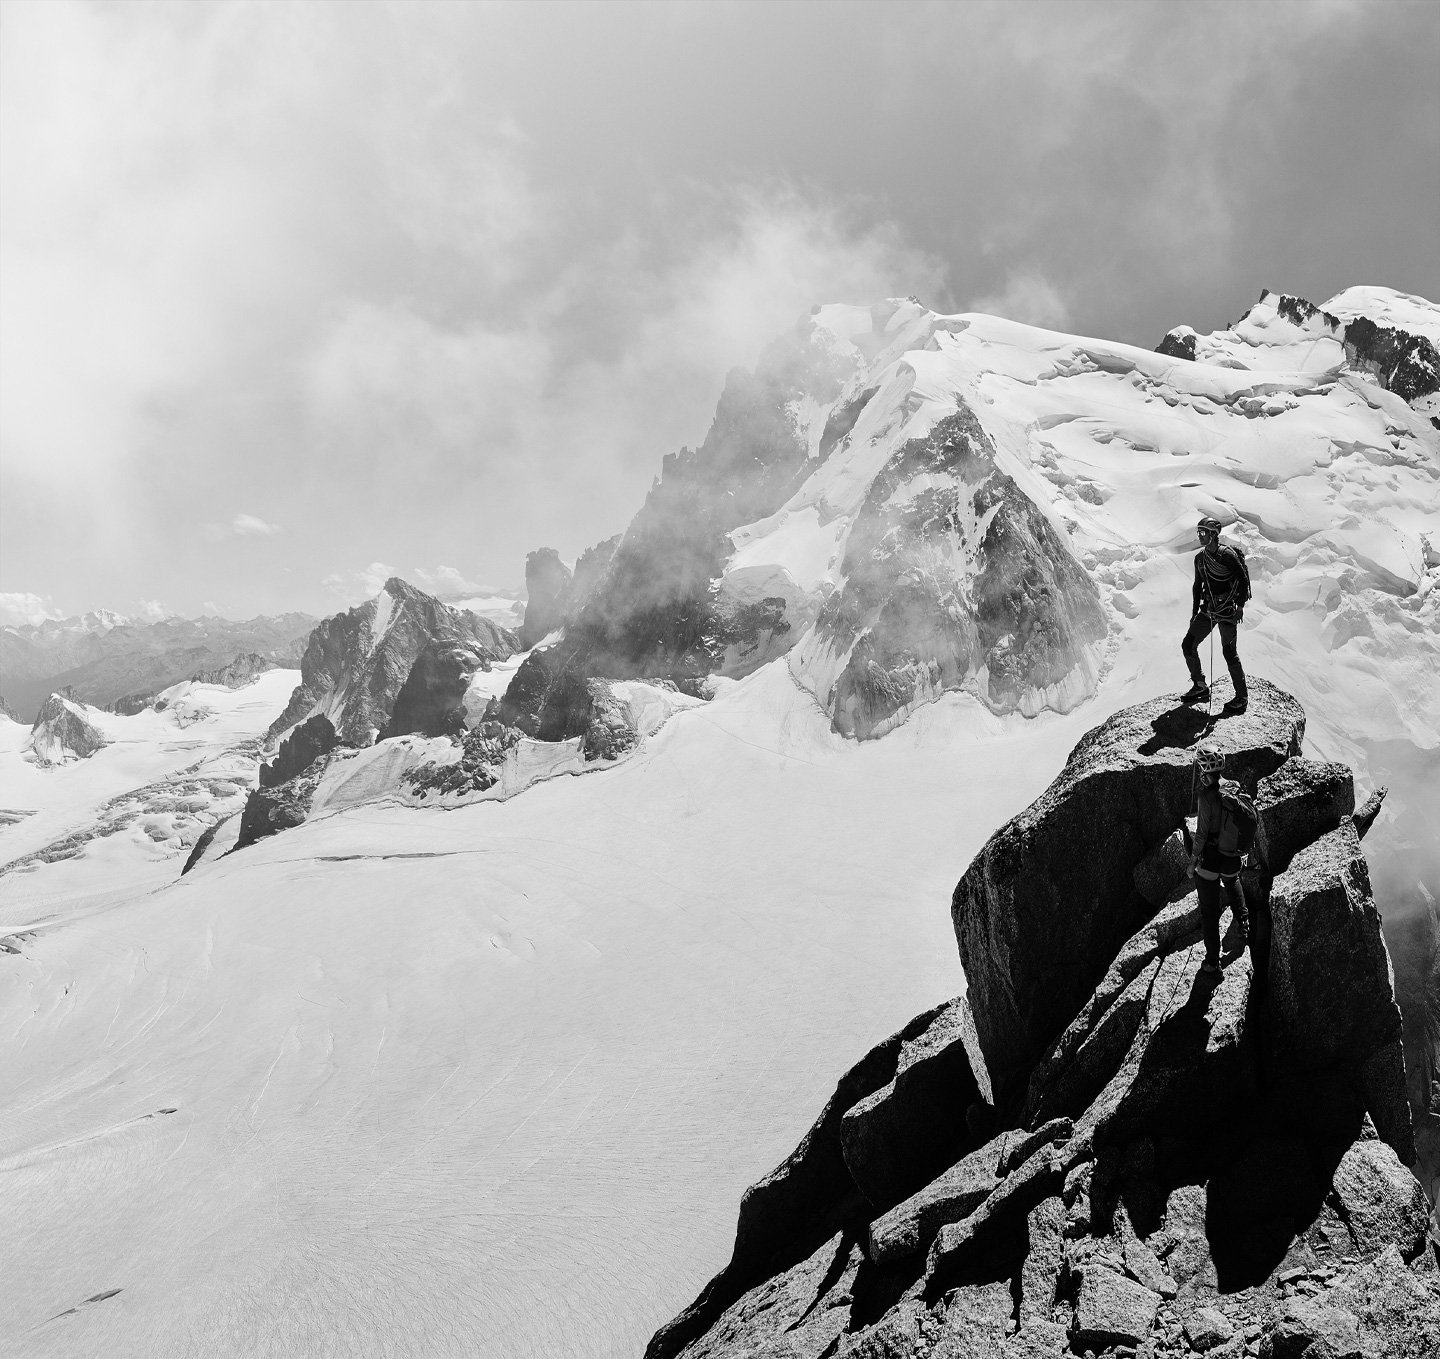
{"x":104,"y":658}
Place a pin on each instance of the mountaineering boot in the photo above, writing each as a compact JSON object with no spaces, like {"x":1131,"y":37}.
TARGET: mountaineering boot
{"x":1235,"y":707}
{"x":1198,"y":692}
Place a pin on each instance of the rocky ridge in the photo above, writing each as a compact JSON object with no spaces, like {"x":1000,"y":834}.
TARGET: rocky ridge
{"x":1098,"y":1150}
{"x":355,"y":663}
{"x":63,"y":732}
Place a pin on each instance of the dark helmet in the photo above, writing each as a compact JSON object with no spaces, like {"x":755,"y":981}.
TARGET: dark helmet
{"x":1209,"y":526}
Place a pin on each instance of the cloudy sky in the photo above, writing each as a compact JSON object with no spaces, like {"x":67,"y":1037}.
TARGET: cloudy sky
{"x":293,"y":294}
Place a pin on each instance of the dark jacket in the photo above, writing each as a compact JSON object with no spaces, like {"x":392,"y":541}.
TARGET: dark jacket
{"x":1221,"y":584}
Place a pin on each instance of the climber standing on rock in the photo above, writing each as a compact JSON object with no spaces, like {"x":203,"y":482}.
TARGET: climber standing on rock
{"x":1225,"y":827}
{"x":1218,"y":599}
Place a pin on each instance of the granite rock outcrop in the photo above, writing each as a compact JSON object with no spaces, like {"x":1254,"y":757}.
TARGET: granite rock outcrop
{"x":1115,"y":1153}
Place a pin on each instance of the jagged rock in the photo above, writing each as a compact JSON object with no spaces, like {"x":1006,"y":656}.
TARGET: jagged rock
{"x":547,"y":583}
{"x":62,"y":732}
{"x":800,"y":1204}
{"x":432,"y":699}
{"x":1188,"y":1260}
{"x":1179,"y":343}
{"x":1044,"y":1258}
{"x":1050,"y":899}
{"x":7,"y":711}
{"x":1143,"y":1265}
{"x":356,"y":662}
{"x":1207,"y":1327}
{"x":1300,"y":800}
{"x":202,"y":845}
{"x":287,"y":784}
{"x":1331,"y":998}
{"x":482,"y":754}
{"x":237,"y":673}
{"x":1184,"y":1137}
{"x":130,"y":704}
{"x":974,"y":1323}
{"x":995,"y":1225}
{"x":1035,"y":1340}
{"x":906,"y":1133}
{"x":1382,"y":1202}
{"x":1111,"y":1309}
{"x":1309,"y":1329}
{"x":910,"y":1226}
{"x":1405,"y":364}
{"x":1011,"y":606}
{"x":1017,"y":1147}
{"x":652,"y":612}
{"x":305,"y":744}
{"x":1365,"y":815}
{"x":799,"y":1314}
{"x":1398,"y":1311}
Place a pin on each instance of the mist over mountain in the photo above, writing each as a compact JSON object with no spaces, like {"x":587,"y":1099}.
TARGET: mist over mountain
{"x":104,"y":658}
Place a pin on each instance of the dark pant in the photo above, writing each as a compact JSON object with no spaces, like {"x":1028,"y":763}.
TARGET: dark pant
{"x":1200,"y":627}
{"x":1208,"y":891}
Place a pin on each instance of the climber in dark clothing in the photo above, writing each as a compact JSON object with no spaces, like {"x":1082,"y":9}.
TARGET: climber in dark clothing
{"x":1215,"y":860}
{"x":1218,"y":598}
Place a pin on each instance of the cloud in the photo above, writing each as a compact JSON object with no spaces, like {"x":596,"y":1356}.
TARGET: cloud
{"x":250,"y":526}
{"x":153,"y":611}
{"x":1029,"y":297}
{"x":210,"y":609}
{"x":446,"y":580}
{"x":21,"y":609}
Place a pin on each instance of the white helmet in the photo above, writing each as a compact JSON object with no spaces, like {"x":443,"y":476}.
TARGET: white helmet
{"x":1208,"y":759}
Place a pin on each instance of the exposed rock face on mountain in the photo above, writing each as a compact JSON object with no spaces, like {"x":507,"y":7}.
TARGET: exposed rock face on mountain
{"x":1047,"y":903}
{"x":1167,"y":1162}
{"x":7,"y":711}
{"x":431,"y":701}
{"x":62,"y":732}
{"x":954,"y":577}
{"x":356,"y":662}
{"x":547,"y":582}
{"x":237,"y":673}
{"x":106,"y":658}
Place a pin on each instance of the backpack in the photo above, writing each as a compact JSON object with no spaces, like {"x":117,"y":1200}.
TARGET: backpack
{"x":1242,"y":587}
{"x":1240,"y":808}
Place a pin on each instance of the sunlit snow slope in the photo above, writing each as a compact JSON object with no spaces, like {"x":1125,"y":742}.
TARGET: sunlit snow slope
{"x":490,"y":1080}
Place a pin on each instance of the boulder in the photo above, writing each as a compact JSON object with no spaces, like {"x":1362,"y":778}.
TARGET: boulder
{"x":1111,"y":1309}
{"x":996,"y":1227}
{"x":800,"y":1204}
{"x":1397,"y":1310}
{"x":1300,"y":800}
{"x":975,"y":1321}
{"x":1309,"y":1329}
{"x":1050,"y":899}
{"x":1044,"y":1258}
{"x":1381,"y":1201}
{"x":1207,"y":1327}
{"x":911,"y":1225}
{"x":905,"y":1134}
